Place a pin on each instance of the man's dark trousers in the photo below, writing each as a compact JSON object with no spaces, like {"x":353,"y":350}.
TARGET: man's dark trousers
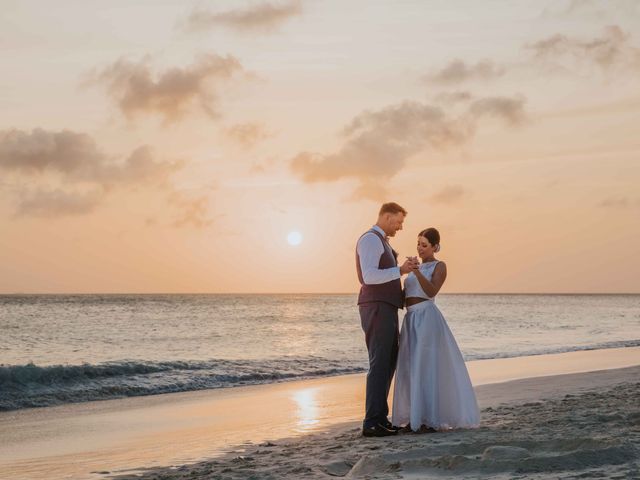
{"x":380,"y":324}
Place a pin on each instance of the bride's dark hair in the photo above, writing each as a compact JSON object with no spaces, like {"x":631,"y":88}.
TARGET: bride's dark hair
{"x":432,"y":235}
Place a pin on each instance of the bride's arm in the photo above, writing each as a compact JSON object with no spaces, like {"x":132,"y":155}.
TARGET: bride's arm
{"x":431,"y":288}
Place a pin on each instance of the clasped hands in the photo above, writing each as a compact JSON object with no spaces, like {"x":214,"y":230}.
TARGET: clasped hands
{"x":411,"y":264}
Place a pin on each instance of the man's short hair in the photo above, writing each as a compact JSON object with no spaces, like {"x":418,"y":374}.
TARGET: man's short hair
{"x":392,"y":207}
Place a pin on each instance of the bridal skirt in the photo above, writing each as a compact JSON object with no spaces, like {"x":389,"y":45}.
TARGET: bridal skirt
{"x":432,"y":385}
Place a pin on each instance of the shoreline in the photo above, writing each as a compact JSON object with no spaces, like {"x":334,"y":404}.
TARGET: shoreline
{"x":142,"y":432}
{"x":567,"y":356}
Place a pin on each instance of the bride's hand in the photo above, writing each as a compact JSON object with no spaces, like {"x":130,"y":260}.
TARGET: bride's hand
{"x":408,"y":266}
{"x":414,"y":263}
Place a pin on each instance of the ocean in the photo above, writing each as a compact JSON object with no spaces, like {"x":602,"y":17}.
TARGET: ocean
{"x":56,"y":349}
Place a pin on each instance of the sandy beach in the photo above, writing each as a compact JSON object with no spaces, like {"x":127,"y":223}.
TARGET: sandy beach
{"x":593,"y":434}
{"x":554,"y":416}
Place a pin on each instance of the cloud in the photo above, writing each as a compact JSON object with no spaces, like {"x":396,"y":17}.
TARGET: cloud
{"x":452,"y":98}
{"x":141,"y":166}
{"x":39,"y":150}
{"x":82,"y":174}
{"x":172,"y":93}
{"x":55,"y":203}
{"x":449,"y":195}
{"x":370,"y":190}
{"x":510,"y":110}
{"x":378,"y":144}
{"x":458,"y":72}
{"x":611,"y":50}
{"x":192,"y":210}
{"x":262,"y":17}
{"x":75,"y":157}
{"x":247,"y":135}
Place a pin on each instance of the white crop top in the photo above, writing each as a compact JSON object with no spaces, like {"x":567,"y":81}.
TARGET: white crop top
{"x":412,"y":286}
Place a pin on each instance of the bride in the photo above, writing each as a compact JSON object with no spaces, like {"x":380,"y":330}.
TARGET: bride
{"x":432,"y":390}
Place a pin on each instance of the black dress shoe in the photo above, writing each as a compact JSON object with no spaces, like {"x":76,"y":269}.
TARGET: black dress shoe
{"x":377,"y":431}
{"x":389,"y":426}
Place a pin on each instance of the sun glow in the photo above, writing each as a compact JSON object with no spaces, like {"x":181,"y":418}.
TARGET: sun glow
{"x":294,"y":238}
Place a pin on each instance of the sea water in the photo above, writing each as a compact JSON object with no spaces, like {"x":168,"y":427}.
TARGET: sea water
{"x":67,"y":348}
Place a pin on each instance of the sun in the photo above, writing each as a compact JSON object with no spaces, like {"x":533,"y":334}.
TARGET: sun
{"x":294,"y":238}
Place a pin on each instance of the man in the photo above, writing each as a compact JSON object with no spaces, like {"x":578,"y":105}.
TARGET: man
{"x":379,"y":300}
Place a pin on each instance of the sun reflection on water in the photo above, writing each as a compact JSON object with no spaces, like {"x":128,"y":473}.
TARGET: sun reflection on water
{"x":307,"y":409}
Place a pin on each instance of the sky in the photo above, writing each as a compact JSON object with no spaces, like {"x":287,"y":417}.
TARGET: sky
{"x":172,"y":146}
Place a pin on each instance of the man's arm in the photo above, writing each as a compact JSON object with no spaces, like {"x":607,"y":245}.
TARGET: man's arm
{"x":370,"y":249}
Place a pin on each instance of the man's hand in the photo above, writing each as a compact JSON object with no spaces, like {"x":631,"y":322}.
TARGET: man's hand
{"x":410,"y":264}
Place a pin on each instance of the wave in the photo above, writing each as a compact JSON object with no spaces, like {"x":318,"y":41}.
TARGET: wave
{"x":27,"y":386}
{"x":549,"y":351}
{"x":30,"y":385}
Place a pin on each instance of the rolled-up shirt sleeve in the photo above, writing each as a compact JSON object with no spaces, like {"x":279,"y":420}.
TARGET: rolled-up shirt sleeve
{"x":370,"y":250}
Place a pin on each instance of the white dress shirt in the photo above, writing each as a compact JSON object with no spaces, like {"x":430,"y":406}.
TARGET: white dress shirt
{"x":370,"y":249}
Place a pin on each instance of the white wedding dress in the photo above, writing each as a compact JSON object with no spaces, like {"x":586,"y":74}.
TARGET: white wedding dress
{"x":432,"y":385}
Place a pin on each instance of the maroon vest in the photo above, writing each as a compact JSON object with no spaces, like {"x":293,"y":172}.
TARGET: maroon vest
{"x":389,"y":292}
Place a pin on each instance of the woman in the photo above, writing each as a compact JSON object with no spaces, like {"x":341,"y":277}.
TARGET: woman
{"x":433,"y":390}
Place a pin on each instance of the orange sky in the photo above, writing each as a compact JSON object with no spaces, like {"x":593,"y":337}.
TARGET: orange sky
{"x":172,"y":146}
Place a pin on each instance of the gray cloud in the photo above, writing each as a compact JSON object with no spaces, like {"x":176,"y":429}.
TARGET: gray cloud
{"x":261,"y":17}
{"x":41,"y":150}
{"x":84,"y":175}
{"x":378,"y":144}
{"x":76,"y":157}
{"x":612,"y":49}
{"x":247,"y":135}
{"x":172,"y":93}
{"x":458,"y":72}
{"x":449,"y":195}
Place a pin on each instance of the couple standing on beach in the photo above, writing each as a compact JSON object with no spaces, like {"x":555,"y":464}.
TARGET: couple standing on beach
{"x":432,"y":388}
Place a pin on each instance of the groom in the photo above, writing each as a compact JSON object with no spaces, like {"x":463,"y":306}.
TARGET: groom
{"x":379,"y":300}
